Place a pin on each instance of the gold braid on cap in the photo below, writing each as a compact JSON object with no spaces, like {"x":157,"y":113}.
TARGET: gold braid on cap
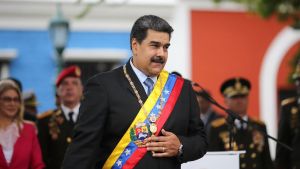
{"x":237,"y":89}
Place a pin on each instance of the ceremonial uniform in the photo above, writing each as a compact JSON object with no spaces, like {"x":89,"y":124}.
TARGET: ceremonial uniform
{"x":245,"y":136}
{"x":288,"y":130}
{"x":249,"y":139}
{"x":288,"y":133}
{"x":55,"y":135}
{"x":55,"y":127}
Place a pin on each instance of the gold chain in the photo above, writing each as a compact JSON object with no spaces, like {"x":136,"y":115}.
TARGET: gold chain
{"x":137,"y":93}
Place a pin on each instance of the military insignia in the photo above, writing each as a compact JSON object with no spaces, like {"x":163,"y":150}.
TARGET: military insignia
{"x":60,"y":120}
{"x":224,"y":136}
{"x":77,"y":71}
{"x":294,"y":110}
{"x":139,"y":133}
{"x":69,"y":140}
{"x":258,"y":140}
{"x":294,"y":117}
{"x":218,"y":122}
{"x":54,"y":123}
{"x":238,"y":84}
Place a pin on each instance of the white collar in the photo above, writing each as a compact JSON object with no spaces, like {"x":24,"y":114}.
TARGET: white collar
{"x":67,"y":110}
{"x":141,"y":76}
{"x":238,"y":122}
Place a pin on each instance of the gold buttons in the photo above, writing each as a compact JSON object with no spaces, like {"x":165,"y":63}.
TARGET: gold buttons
{"x":243,"y":165}
{"x":251,"y":145}
{"x":294,"y":110}
{"x":242,"y":155}
{"x":241,"y":146}
{"x":69,"y":139}
{"x":253,"y":155}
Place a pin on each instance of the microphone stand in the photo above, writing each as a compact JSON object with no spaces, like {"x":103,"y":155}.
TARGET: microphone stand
{"x":232,"y":116}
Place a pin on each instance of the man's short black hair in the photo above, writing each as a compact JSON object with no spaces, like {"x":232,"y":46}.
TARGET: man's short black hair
{"x":142,"y":24}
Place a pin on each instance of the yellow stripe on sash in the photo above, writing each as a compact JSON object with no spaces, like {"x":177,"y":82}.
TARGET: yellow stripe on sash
{"x":141,"y":117}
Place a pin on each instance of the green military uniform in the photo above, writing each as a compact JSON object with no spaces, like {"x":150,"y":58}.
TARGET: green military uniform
{"x":250,"y":139}
{"x":54,"y":136}
{"x":288,"y":133}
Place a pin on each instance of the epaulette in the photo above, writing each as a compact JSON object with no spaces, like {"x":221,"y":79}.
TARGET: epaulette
{"x":45,"y":114}
{"x":258,"y":121}
{"x":288,"y":101}
{"x":218,"y":122}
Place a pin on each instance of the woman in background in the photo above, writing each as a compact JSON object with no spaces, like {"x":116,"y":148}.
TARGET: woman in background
{"x":19,"y":146}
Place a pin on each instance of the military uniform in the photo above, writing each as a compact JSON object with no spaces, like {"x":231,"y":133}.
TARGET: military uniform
{"x":54,"y":128}
{"x":54,"y":136}
{"x":288,"y":133}
{"x":245,"y":136}
{"x":250,"y":139}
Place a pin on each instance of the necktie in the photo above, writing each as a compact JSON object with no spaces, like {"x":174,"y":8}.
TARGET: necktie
{"x":149,"y":83}
{"x":71,"y":117}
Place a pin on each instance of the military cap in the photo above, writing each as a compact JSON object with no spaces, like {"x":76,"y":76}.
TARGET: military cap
{"x":237,"y":86}
{"x":296,"y":74}
{"x":29,"y":99}
{"x":71,"y":71}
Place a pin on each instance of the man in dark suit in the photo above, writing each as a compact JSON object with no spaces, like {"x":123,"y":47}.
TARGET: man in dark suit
{"x":127,"y":121}
{"x":55,"y":126}
{"x":247,"y":137}
{"x":207,"y":113}
{"x":289,"y":127}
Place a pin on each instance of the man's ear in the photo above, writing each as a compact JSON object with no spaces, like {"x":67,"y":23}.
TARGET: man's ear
{"x":134,"y":44}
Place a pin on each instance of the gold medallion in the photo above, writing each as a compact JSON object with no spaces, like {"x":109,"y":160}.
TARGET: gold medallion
{"x":153,"y":127}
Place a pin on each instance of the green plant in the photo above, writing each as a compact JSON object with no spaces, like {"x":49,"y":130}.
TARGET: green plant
{"x":285,"y":10}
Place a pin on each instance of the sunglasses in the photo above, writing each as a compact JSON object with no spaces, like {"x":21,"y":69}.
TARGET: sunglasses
{"x":7,"y":99}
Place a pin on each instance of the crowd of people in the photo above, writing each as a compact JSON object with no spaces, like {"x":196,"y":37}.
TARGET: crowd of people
{"x":139,"y":116}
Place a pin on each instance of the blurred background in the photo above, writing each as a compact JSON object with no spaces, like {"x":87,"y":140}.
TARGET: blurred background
{"x":212,"y":41}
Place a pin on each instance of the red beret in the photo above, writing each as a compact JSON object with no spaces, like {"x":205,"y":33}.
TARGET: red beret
{"x":73,"y":71}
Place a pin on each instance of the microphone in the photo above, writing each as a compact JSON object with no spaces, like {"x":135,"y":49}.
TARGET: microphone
{"x":232,"y":115}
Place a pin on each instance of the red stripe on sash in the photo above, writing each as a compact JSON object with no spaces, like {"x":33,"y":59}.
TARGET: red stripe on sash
{"x":140,"y":152}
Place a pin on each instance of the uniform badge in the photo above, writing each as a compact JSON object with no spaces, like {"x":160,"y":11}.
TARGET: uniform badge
{"x":258,"y":140}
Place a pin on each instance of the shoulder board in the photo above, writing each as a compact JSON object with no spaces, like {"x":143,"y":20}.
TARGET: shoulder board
{"x":258,"y":121}
{"x":288,"y":101}
{"x":57,"y":112}
{"x":218,"y":122}
{"x":45,"y":114}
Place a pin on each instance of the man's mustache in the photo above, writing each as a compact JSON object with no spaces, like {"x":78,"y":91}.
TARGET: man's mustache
{"x":158,"y":59}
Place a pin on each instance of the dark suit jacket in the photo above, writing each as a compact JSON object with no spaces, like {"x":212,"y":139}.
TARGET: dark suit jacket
{"x":250,"y":139}
{"x":288,"y":133}
{"x":107,"y":110}
{"x":212,"y":116}
{"x":54,"y":133}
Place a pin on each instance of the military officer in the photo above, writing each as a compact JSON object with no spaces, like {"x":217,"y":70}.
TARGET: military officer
{"x":245,"y":136}
{"x":55,"y":126}
{"x":206,"y":113}
{"x":288,"y":131}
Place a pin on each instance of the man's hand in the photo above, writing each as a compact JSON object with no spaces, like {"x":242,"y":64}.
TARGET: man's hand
{"x":163,"y":146}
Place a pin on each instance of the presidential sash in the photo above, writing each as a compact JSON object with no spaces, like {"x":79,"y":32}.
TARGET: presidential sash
{"x":160,"y":103}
